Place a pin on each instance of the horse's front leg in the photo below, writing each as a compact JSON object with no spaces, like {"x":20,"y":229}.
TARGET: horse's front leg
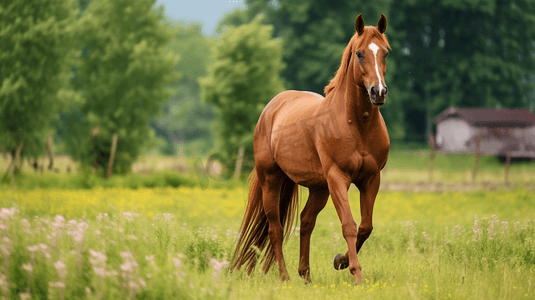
{"x":315,"y":203}
{"x":368,"y":193}
{"x":338,"y":187}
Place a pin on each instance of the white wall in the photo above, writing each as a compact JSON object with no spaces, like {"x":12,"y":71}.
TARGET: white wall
{"x":529,"y":135}
{"x":452,"y":135}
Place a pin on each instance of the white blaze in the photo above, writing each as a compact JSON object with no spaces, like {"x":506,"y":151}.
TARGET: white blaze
{"x":374,"y":48}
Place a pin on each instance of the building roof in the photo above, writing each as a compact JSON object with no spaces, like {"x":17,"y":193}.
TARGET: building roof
{"x":494,"y":117}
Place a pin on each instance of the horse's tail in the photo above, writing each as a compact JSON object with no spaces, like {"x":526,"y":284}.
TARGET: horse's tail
{"x":253,"y":234}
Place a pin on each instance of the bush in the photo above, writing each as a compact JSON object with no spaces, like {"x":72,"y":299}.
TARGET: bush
{"x":86,"y":179}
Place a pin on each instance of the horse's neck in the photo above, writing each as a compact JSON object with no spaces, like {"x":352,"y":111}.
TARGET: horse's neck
{"x":352,"y":101}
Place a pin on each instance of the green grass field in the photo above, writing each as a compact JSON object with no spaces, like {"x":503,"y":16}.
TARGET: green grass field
{"x":167,"y":243}
{"x":406,"y":170}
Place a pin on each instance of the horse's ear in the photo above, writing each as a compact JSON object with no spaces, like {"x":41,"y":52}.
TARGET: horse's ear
{"x":359,"y":24}
{"x":381,"y":25}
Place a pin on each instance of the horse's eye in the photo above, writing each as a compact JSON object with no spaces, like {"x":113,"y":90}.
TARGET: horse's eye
{"x":387,"y":54}
{"x":360,"y":56}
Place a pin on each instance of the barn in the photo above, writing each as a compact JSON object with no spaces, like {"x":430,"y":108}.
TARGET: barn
{"x":500,"y":131}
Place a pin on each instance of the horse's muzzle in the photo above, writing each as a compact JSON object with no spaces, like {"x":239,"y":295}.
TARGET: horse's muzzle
{"x":378,"y":95}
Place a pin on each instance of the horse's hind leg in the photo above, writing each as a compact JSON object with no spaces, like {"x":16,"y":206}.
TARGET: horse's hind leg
{"x":315,"y":203}
{"x":272,"y":181}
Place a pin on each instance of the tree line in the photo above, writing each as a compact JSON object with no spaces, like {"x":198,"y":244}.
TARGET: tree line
{"x":478,"y":53}
{"x":70,"y":68}
{"x":74,"y":68}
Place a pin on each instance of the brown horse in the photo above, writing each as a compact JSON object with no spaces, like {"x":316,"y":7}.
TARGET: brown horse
{"x":324,"y":144}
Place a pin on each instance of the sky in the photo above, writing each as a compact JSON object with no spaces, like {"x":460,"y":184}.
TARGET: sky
{"x":206,"y":12}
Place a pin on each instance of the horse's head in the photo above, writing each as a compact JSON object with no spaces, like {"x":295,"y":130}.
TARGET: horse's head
{"x":369,"y":52}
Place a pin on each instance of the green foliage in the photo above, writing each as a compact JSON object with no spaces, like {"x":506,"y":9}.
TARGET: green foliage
{"x":37,"y":47}
{"x":87,"y":180}
{"x":122,"y":74}
{"x":185,"y":118}
{"x":444,"y":53}
{"x":461,"y":53}
{"x":244,"y":77}
{"x":204,"y":244}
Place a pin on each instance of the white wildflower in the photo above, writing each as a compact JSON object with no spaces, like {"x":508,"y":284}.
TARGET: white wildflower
{"x":6,"y":213}
{"x":57,"y":284}
{"x":505,"y":225}
{"x":4,"y":286}
{"x":476,"y":229}
{"x":177,"y":262}
{"x":32,"y":248}
{"x":426,"y":236}
{"x":61,"y":268}
{"x":102,"y":216}
{"x":142,"y":283}
{"x":100,"y":271}
{"x":218,"y":266}
{"x":149,"y":257}
{"x":27,"y":267}
{"x":128,"y":216}
{"x":82,"y":225}
{"x":59,"y":221}
{"x":97,"y":257}
{"x":493,"y":223}
{"x":133,"y":285}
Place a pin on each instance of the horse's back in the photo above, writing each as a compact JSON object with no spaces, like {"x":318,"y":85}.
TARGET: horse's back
{"x":294,"y":102}
{"x":281,"y":130}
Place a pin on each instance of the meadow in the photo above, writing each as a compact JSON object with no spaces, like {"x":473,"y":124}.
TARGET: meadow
{"x":175,"y":243}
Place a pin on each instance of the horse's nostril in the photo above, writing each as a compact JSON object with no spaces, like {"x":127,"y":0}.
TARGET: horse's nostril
{"x":373,"y":90}
{"x":385,"y":91}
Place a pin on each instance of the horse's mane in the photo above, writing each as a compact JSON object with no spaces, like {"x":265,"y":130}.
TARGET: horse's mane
{"x":355,"y":42}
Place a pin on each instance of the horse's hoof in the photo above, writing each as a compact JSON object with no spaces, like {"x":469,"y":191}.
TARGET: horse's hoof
{"x":341,"y":262}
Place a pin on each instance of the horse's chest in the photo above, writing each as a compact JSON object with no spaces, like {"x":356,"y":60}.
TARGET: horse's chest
{"x":363,"y":166}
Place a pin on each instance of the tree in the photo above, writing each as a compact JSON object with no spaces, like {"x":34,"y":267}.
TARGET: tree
{"x":459,"y":53}
{"x":37,"y":47}
{"x":444,"y":52}
{"x":185,"y":118}
{"x":122,"y":74}
{"x":244,"y":77}
{"x":315,"y":34}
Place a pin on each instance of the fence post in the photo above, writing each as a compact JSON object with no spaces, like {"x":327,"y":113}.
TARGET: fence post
{"x":431,"y":156}
{"x":507,"y":165}
{"x":476,"y":157}
{"x":112,"y":154}
{"x":239,"y":162}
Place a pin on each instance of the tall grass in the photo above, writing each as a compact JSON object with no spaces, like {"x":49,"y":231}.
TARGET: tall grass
{"x":158,"y":243}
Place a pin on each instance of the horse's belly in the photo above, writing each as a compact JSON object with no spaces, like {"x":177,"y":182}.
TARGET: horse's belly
{"x":296,"y":159}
